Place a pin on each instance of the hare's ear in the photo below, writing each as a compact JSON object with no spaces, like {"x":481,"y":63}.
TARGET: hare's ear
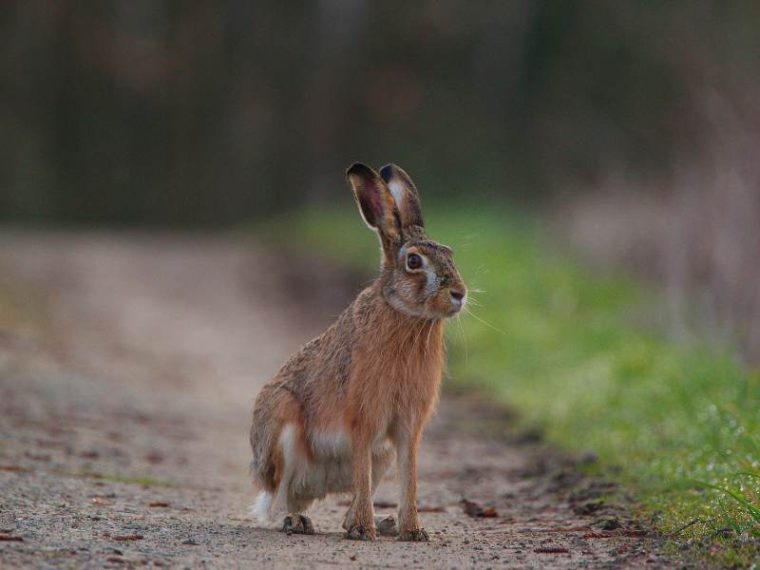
{"x":375,"y":202}
{"x":404,"y":194}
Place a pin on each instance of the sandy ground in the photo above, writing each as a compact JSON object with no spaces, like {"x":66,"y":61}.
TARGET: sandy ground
{"x":124,"y":410}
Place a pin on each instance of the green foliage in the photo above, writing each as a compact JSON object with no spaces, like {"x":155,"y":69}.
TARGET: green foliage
{"x":579,"y":354}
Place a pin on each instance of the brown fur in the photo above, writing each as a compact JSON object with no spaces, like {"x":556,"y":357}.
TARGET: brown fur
{"x":375,"y":373}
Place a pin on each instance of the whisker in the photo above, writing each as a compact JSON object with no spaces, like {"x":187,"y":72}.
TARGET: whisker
{"x":427,"y":342}
{"x":484,"y":321}
{"x":418,"y":335}
{"x":464,"y":339}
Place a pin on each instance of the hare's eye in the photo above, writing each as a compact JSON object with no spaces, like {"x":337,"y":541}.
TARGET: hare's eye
{"x":413,"y":261}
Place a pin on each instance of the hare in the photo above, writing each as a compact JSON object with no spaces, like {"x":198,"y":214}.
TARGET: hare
{"x":338,"y":411}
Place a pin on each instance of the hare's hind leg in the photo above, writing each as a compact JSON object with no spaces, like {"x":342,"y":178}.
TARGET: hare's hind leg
{"x":295,"y":468}
{"x":283,"y":459}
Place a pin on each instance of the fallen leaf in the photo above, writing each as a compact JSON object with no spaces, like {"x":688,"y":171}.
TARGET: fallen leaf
{"x":128,"y":537}
{"x":154,"y":457}
{"x":471,"y":509}
{"x":431,"y":510}
{"x":158,"y":504}
{"x":13,"y":468}
{"x":552,"y":550}
{"x":475,"y":510}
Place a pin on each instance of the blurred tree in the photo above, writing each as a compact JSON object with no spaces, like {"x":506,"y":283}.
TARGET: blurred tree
{"x":201,"y":112}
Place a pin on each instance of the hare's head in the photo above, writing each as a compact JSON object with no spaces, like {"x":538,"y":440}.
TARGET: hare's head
{"x":418,"y":276}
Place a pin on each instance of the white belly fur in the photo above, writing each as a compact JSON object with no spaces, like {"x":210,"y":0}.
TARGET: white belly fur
{"x":331,"y":470}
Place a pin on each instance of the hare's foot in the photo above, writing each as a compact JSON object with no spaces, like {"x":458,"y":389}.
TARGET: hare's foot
{"x":360,"y":521}
{"x":386,"y":525}
{"x":414,"y":535}
{"x":361,"y":532}
{"x":296,"y":523}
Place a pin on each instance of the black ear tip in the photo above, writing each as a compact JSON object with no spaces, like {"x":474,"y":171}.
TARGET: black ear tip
{"x":387,"y":171}
{"x":359,"y":169}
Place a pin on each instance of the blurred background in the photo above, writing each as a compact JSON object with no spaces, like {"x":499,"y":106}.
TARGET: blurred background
{"x":635,"y":122}
{"x":595,"y":165}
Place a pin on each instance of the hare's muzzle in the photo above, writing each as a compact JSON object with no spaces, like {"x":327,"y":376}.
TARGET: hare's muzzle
{"x":458,"y":299}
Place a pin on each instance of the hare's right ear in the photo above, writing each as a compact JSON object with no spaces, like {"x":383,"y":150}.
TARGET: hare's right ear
{"x":405,"y":195}
{"x":375,"y":203}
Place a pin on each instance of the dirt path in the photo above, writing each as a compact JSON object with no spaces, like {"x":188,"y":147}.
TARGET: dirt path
{"x":124,"y":409}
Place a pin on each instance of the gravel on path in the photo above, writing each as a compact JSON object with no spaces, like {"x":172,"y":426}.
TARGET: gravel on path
{"x":124,"y":409}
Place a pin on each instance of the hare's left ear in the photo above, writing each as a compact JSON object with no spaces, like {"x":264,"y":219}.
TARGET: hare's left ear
{"x":375,"y":202}
{"x":404,"y":194}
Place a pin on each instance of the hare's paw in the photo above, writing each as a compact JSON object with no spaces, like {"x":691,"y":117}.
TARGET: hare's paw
{"x":414,"y":535}
{"x":361,"y":532}
{"x":297,"y":524}
{"x":386,"y":525}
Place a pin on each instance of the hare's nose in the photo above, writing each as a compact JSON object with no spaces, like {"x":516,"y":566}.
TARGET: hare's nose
{"x":457,"y":295}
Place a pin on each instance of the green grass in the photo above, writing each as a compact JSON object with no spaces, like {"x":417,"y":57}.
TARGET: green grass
{"x":580,"y":354}
{"x":143,"y":481}
{"x":21,"y":308}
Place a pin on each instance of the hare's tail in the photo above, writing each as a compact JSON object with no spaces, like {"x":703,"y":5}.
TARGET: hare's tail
{"x":260,"y":510}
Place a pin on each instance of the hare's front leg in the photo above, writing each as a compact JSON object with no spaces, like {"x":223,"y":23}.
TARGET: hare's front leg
{"x":296,"y":522}
{"x":385,"y":525}
{"x":408,"y":440}
{"x":361,"y":525}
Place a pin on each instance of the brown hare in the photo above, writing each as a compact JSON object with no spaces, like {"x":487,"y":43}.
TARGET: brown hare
{"x":333,"y":417}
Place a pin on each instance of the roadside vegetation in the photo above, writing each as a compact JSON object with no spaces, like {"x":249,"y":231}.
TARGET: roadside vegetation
{"x":581,"y":356}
